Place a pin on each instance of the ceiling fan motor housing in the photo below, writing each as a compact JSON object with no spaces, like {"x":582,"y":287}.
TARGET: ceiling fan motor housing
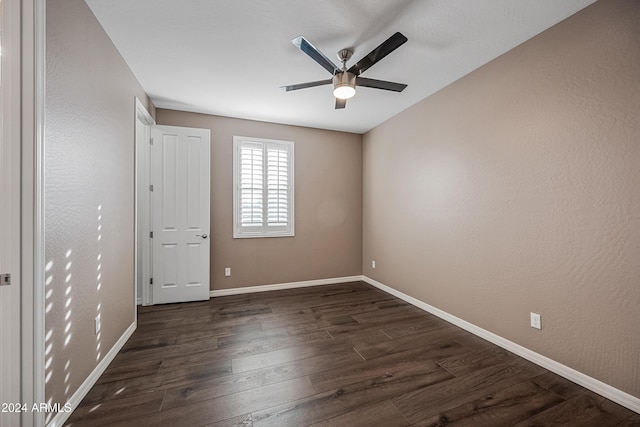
{"x":344,"y":85}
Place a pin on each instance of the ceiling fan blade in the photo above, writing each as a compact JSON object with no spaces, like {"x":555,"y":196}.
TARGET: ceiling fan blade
{"x":340,"y":103}
{"x":388,"y":46}
{"x":380,"y":84}
{"x":315,"y":54}
{"x":289,"y":88}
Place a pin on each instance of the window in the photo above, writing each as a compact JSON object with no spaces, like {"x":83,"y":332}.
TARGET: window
{"x":262,"y":187}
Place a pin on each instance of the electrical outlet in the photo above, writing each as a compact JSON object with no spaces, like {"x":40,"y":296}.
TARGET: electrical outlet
{"x":535,"y":321}
{"x":373,"y":264}
{"x":98,"y":325}
{"x":227,"y":271}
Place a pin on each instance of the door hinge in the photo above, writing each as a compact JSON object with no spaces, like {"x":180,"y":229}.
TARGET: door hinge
{"x":151,"y":187}
{"x":5,"y":279}
{"x":151,"y":141}
{"x":151,"y":281}
{"x":151,"y":234}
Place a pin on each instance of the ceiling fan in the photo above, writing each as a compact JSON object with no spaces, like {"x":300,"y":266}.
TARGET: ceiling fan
{"x":345,"y":80}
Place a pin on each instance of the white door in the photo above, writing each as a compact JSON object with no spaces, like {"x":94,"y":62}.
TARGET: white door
{"x":180,"y":214}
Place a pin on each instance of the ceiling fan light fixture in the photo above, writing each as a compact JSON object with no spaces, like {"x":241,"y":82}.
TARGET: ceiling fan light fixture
{"x":344,"y":85}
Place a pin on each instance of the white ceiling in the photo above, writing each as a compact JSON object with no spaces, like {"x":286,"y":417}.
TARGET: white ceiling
{"x":229,"y":57}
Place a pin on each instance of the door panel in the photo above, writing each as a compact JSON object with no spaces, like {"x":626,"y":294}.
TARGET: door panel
{"x":168,"y":190}
{"x":180,"y":214}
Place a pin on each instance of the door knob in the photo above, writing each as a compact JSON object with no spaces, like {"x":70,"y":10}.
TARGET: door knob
{"x":204,"y":236}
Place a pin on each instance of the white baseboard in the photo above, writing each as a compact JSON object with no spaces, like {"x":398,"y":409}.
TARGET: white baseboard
{"x":74,"y":401}
{"x":280,"y":286}
{"x":138,"y":301}
{"x":597,"y":386}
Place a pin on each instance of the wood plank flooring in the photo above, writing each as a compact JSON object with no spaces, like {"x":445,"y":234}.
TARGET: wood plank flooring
{"x":335,"y":355}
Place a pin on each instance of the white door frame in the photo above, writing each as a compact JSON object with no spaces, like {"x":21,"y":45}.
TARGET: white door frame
{"x":143,"y":248}
{"x":31,"y":284}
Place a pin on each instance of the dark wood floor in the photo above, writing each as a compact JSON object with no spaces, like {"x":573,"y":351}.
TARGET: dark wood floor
{"x":336,"y":355}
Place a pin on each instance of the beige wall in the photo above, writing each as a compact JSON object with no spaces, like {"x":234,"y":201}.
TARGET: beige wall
{"x":328,"y":205}
{"x":89,"y":191}
{"x":517,"y":189}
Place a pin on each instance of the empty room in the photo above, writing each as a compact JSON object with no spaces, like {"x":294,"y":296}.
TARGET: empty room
{"x":328,"y":213}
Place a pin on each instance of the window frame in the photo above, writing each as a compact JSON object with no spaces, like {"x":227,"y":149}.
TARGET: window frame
{"x":264,"y":230}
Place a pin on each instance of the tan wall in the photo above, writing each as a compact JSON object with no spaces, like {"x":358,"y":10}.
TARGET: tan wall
{"x":517,"y":189}
{"x":328,"y":205}
{"x":89,"y":192}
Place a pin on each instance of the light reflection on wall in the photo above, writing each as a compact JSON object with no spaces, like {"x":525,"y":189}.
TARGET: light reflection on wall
{"x":61,"y":279}
{"x":68,"y":296}
{"x":99,"y":283}
{"x":67,"y":317}
{"x":48,"y":343}
{"x":53,"y":287}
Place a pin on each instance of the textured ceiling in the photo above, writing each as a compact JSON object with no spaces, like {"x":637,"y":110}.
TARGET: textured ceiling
{"x":229,"y":57}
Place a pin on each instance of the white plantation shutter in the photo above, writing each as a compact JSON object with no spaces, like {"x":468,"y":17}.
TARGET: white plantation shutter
{"x":251,"y":185}
{"x":277,"y":186}
{"x":263,"y":187}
